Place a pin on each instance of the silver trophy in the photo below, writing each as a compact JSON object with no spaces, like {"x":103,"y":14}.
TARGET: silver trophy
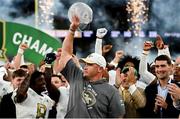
{"x":83,"y":11}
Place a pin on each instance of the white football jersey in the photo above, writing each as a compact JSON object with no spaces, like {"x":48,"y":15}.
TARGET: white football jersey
{"x":5,"y":88}
{"x":3,"y":71}
{"x":63,"y":102}
{"x":34,"y":106}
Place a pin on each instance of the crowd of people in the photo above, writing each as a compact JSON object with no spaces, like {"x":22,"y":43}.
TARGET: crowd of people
{"x":64,"y":86}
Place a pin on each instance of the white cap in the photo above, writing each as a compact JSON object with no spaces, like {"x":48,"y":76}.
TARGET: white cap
{"x":95,"y":58}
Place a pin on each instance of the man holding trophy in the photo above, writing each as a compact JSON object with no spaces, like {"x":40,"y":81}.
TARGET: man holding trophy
{"x":90,"y":94}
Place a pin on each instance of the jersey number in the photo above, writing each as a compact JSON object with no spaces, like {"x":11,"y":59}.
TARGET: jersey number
{"x":41,"y":110}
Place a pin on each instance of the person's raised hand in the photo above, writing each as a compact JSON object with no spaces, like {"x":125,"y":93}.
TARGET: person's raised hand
{"x":106,"y":49}
{"x":119,"y":54}
{"x":147,"y":45}
{"x":101,"y":32}
{"x":159,"y":42}
{"x":74,"y":23}
{"x":58,"y":54}
{"x":23,"y":46}
{"x":131,"y":76}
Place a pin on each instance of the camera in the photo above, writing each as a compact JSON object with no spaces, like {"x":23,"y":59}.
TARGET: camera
{"x":50,"y":57}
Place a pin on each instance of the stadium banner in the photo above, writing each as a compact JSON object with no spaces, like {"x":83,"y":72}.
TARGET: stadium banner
{"x":13,"y":34}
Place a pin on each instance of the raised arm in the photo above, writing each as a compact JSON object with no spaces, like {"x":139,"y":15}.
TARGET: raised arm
{"x":162,"y":48}
{"x":99,"y":35}
{"x":118,"y":55}
{"x":147,"y":76}
{"x":19,"y":58}
{"x":67,"y":46}
{"x":57,"y":65}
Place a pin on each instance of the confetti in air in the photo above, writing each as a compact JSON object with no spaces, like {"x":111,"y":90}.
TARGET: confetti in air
{"x":138,"y":14}
{"x":45,"y":13}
